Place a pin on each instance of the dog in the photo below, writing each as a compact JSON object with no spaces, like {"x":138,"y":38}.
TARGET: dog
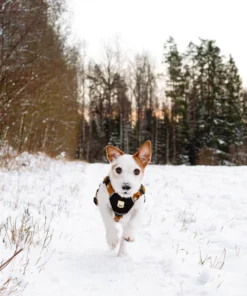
{"x":121,"y":195}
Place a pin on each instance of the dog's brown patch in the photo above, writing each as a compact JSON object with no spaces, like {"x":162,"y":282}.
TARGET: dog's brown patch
{"x":139,"y":163}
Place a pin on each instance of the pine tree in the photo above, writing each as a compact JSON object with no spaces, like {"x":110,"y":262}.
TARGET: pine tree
{"x":233,"y":105}
{"x":205,"y":74}
{"x":176,"y":94}
{"x":194,"y":103}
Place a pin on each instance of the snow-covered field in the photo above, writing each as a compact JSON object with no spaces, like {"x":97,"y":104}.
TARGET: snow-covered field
{"x":193,"y":239}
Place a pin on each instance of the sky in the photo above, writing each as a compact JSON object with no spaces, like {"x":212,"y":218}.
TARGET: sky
{"x":145,"y":25}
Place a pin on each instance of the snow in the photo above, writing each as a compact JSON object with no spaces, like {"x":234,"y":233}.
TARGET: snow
{"x":192,"y":240}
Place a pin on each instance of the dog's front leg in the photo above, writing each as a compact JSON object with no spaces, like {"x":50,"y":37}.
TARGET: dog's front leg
{"x":131,"y":227}
{"x":129,"y":230}
{"x":107,"y":217}
{"x":112,"y":237}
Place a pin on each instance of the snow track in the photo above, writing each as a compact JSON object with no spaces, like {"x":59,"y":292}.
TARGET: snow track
{"x":193,"y":239}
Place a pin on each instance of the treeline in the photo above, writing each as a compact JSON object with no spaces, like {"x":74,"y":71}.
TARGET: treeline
{"x":53,"y":98}
{"x":38,"y":78}
{"x":198,"y":117}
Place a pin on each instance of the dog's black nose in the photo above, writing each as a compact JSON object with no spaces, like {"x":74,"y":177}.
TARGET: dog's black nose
{"x":126,"y":186}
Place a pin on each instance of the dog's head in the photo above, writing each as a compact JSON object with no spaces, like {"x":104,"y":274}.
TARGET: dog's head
{"x":127,"y":170}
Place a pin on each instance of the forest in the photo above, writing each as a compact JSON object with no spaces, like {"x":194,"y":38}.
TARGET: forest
{"x":55,"y":99}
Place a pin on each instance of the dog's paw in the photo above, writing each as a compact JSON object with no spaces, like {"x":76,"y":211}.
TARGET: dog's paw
{"x":112,"y":240}
{"x":128,"y":235}
{"x":123,"y":253}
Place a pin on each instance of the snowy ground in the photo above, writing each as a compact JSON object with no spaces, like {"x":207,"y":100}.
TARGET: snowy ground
{"x":193,"y":239}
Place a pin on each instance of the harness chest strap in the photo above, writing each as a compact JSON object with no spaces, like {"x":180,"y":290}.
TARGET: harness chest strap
{"x":110,"y":191}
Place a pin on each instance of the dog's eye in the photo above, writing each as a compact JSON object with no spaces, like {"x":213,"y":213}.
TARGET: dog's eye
{"x":137,"y":172}
{"x":119,"y":170}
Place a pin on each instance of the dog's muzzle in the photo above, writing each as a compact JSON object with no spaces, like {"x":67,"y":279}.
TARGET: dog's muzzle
{"x":126,"y":186}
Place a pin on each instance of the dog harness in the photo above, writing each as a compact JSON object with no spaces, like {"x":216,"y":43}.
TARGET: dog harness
{"x":120,"y":205}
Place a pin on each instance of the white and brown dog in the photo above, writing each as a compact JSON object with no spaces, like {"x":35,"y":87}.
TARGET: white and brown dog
{"x":120,"y":196}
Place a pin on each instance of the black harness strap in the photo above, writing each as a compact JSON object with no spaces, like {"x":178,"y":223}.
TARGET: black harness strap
{"x":95,"y":199}
{"x":106,"y":180}
{"x":120,"y":205}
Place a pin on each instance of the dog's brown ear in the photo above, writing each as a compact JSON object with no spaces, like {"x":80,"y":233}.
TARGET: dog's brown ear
{"x":113,"y":153}
{"x":144,"y":154}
